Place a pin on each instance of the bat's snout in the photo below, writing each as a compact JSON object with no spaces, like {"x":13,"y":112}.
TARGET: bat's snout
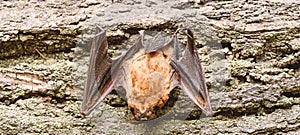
{"x":145,"y":116}
{"x":143,"y":112}
{"x":148,"y":115}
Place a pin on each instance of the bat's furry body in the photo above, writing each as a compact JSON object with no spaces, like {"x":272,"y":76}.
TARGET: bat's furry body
{"x":147,"y":73}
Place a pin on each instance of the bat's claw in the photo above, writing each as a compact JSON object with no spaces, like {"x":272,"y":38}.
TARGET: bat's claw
{"x":212,"y":113}
{"x":84,"y":113}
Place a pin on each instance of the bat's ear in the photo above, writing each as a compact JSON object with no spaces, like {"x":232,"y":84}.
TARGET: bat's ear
{"x":99,"y":82}
{"x":191,"y":74}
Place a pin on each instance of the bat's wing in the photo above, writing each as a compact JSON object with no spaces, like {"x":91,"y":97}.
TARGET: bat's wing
{"x":98,"y":83}
{"x":120,"y":65}
{"x":103,"y":71}
{"x":156,"y":43}
{"x":138,"y":45}
{"x":191,"y":74}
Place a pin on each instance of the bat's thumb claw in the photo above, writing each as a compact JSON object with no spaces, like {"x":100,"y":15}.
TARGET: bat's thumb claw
{"x":85,"y":113}
{"x":142,"y":32}
{"x":210,"y":113}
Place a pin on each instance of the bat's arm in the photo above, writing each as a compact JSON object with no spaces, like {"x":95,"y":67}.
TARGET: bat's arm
{"x":191,"y":74}
{"x":103,"y":72}
{"x":99,"y":78}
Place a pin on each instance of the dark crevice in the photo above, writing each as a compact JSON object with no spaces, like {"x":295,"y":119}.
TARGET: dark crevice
{"x":293,"y":66}
{"x":134,"y":30}
{"x":241,"y":79}
{"x":45,"y":41}
{"x":273,"y":130}
{"x":227,"y":45}
{"x":291,"y":94}
{"x":264,"y":31}
{"x":242,"y":111}
{"x":258,"y":81}
{"x":116,"y":40}
{"x":160,"y":27}
{"x":55,"y":99}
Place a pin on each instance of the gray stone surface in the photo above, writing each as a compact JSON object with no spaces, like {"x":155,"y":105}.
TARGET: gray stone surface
{"x":249,"y":50}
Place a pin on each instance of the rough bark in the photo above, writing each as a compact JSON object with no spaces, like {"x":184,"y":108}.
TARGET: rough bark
{"x":249,"y":49}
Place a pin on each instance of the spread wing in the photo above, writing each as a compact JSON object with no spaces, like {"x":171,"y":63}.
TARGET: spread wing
{"x":103,"y":71}
{"x":192,"y":80}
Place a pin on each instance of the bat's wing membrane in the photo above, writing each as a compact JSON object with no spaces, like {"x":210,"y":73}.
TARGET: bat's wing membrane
{"x":191,"y":74}
{"x":156,"y":43}
{"x":138,"y":45}
{"x":103,"y":72}
{"x":98,"y":83}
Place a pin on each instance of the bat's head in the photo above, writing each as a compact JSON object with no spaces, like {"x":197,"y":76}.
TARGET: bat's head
{"x":147,"y":111}
{"x":149,"y":84}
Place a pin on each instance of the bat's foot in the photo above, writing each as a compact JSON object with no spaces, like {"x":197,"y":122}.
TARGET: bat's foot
{"x":85,"y":113}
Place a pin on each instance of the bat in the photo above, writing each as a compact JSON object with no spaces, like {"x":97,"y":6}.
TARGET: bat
{"x":147,"y":73}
